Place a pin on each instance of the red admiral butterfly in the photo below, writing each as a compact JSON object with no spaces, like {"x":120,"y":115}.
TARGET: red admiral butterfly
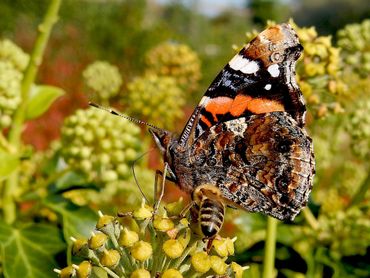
{"x":245,"y":144}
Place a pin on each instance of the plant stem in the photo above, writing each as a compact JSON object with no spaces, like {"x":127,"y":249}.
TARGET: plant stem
{"x":270,"y":245}
{"x":310,"y":218}
{"x":15,"y":131}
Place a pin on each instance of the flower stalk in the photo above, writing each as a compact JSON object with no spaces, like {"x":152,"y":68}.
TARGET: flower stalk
{"x":15,"y":131}
{"x":270,"y":246}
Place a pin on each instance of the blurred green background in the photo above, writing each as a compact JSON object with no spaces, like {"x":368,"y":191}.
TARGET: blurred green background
{"x":153,"y":60}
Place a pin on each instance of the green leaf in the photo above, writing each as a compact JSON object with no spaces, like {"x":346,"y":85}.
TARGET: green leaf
{"x":40,"y":100}
{"x":77,"y":221}
{"x":29,"y":251}
{"x":9,"y":162}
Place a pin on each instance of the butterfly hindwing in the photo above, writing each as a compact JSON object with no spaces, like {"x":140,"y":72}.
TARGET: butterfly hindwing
{"x":264,"y":163}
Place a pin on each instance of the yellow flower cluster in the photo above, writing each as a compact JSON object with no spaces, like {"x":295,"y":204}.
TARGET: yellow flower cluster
{"x":175,"y":60}
{"x":156,"y":99}
{"x":155,"y":245}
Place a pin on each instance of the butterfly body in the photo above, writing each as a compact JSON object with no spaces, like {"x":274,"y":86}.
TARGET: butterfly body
{"x":246,"y":137}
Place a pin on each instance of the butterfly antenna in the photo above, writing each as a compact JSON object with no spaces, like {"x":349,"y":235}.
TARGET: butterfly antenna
{"x":134,"y":174}
{"x":123,"y":116}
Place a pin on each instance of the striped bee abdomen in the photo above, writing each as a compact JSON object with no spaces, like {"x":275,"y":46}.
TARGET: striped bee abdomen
{"x":211,"y":216}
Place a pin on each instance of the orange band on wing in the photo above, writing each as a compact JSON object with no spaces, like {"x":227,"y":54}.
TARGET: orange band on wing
{"x":219,"y":105}
{"x":263,"y":105}
{"x":239,"y":105}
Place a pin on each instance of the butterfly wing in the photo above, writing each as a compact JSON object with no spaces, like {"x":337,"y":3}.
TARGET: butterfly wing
{"x":259,"y":79}
{"x":263,"y":163}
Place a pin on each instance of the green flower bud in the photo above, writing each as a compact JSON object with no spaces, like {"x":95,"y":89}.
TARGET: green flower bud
{"x":141,"y":250}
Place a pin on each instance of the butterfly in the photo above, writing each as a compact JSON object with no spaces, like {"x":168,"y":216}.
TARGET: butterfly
{"x":245,"y":144}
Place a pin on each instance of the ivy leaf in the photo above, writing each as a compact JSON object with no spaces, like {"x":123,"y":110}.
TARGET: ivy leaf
{"x":28,"y":251}
{"x":77,"y":221}
{"x":41,"y":98}
{"x":9,"y":162}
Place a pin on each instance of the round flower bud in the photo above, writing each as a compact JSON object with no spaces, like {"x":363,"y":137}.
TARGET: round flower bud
{"x":110,"y":258}
{"x":238,"y":270}
{"x":79,"y":247}
{"x":84,"y":270}
{"x":97,"y":241}
{"x":140,"y":273}
{"x":173,"y":248}
{"x":201,"y":262}
{"x":104,"y":221}
{"x":221,"y":247}
{"x":67,"y":272}
{"x":143,"y":212}
{"x":171,"y":273}
{"x":163,"y":224}
{"x":13,"y":54}
{"x":141,"y":250}
{"x":128,"y":238}
{"x":218,"y":265}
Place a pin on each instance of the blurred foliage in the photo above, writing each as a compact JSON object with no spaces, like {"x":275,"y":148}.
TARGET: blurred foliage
{"x":55,"y":193}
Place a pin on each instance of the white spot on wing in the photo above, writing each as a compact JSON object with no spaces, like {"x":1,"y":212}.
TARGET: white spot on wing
{"x":268,"y":87}
{"x":243,"y":64}
{"x":274,"y":70}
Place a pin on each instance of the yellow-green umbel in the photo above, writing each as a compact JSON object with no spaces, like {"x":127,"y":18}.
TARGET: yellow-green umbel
{"x":354,"y":39}
{"x":175,"y":60}
{"x":145,"y":249}
{"x":13,"y":61}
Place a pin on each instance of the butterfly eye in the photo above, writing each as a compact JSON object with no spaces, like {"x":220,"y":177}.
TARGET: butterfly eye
{"x":276,"y":57}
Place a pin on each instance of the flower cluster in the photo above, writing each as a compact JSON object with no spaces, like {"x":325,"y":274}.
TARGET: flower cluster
{"x":101,"y":146}
{"x":104,"y":79}
{"x":13,"y":61}
{"x":354,"y":40}
{"x":359,"y":129}
{"x":345,"y":232}
{"x":155,"y":245}
{"x":157,"y":99}
{"x":177,"y":61}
